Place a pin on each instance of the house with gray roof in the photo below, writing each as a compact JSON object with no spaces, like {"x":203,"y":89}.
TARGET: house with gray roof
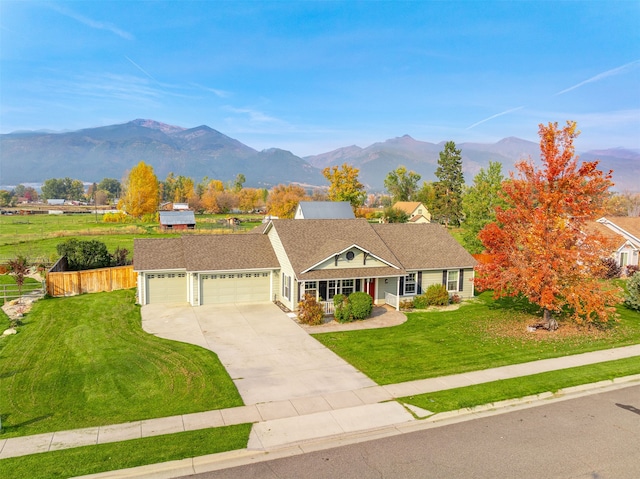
{"x":324,"y":210}
{"x":283,"y":260}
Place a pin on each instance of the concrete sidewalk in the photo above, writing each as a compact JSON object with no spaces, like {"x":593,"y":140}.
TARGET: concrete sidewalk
{"x":285,"y":422}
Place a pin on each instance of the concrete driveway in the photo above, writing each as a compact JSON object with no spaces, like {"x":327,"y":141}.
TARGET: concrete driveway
{"x":268,"y":356}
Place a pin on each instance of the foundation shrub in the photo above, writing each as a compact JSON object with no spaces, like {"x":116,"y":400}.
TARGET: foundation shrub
{"x":436,"y":295}
{"x":342,"y":309}
{"x":361,"y":305}
{"x":310,"y":311}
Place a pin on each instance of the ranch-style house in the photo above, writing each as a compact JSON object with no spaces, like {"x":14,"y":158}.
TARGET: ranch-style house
{"x":283,"y":260}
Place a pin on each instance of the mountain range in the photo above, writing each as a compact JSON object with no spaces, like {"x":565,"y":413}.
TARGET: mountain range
{"x":110,"y":151}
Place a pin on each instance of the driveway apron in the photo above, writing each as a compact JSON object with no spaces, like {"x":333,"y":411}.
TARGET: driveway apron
{"x":268,"y":356}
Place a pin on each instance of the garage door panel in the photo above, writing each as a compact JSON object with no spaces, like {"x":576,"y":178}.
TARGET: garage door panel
{"x":166,"y":288}
{"x":248,"y":287}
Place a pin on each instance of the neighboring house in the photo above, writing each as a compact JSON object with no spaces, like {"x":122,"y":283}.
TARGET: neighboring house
{"x":324,"y":210}
{"x":177,"y":220}
{"x":283,"y":260}
{"x":625,"y":231}
{"x":55,"y":202}
{"x":417,"y":212}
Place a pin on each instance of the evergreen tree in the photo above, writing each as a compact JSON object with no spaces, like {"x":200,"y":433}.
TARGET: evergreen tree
{"x":448,"y":204}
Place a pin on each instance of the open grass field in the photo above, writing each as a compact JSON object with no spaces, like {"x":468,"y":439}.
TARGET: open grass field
{"x":481,"y":334}
{"x":36,"y":236}
{"x":85,"y":361}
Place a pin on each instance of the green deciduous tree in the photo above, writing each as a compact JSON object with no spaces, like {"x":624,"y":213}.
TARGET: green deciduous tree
{"x":448,"y":203}
{"x":85,"y":254}
{"x":394,"y":215}
{"x":111,"y":186}
{"x":402,"y":184}
{"x":63,"y":188}
{"x":344,"y":185}
{"x":479,"y":203}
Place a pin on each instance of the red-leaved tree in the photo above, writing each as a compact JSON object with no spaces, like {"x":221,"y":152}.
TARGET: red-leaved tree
{"x":539,"y":244}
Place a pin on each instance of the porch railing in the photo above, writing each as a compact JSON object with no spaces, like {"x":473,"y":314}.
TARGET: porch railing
{"x":328,"y":307}
{"x":391,"y":299}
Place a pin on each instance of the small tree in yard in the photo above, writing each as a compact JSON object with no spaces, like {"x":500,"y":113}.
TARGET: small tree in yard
{"x":19,"y":269}
{"x":632,"y":297}
{"x":539,"y":244}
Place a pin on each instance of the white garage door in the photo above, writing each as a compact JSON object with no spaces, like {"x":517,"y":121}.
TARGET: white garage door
{"x":250,"y":287}
{"x":166,"y":288}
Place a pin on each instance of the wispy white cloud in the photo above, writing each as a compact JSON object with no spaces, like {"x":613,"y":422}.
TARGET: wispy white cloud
{"x":494,"y":116}
{"x":600,"y":76}
{"x":90,"y":22}
{"x":254,"y":116}
{"x":215,"y":91}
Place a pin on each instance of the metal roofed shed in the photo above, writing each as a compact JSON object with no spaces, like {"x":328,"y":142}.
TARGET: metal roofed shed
{"x":177,"y":220}
{"x":324,"y":210}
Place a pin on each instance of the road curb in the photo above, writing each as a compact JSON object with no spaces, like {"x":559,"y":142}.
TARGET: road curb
{"x":240,"y":457}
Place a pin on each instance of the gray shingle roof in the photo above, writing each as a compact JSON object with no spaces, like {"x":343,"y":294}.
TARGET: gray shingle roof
{"x":316,"y":210}
{"x":158,"y":253}
{"x":228,"y":252}
{"x":204,"y":253}
{"x":424,"y":246}
{"x":309,"y":242}
{"x":171,"y":218}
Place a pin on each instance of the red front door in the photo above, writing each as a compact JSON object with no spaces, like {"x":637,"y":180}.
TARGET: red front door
{"x":370,"y":287}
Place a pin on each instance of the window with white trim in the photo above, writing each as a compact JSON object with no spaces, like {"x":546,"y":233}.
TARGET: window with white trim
{"x":410,"y":283}
{"x":286,"y":286}
{"x":624,"y":258}
{"x":452,"y":280}
{"x":311,"y":287}
{"x":347,"y":286}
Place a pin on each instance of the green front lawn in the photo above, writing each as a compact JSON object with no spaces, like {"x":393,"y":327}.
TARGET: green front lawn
{"x":552,"y":381}
{"x":481,"y":334}
{"x":81,"y":461}
{"x":85,"y":361}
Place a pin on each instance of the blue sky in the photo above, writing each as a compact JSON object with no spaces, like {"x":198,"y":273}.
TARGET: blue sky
{"x":313,"y":76}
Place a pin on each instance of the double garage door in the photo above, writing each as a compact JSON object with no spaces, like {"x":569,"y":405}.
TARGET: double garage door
{"x":245,"y":287}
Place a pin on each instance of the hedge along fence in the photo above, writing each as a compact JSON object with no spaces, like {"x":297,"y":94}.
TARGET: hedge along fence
{"x":69,"y":283}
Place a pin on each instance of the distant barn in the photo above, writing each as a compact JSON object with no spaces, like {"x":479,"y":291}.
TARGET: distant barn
{"x":177,"y":220}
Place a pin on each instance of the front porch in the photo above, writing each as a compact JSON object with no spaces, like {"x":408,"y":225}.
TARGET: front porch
{"x":383,"y":291}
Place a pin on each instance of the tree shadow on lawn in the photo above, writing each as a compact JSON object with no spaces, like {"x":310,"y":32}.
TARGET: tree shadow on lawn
{"x":7,"y":429}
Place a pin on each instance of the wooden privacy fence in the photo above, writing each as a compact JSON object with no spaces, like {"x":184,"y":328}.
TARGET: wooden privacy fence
{"x":69,"y":283}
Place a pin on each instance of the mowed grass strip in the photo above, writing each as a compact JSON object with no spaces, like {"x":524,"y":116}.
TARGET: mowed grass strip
{"x":85,"y":460}
{"x":85,"y":361}
{"x":487,"y":393}
{"x":481,"y":334}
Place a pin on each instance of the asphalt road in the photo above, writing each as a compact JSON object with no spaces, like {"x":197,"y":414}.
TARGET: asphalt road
{"x":593,"y":437}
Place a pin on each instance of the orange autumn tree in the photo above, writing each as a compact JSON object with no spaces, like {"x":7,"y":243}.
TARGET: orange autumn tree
{"x":539,"y":244}
{"x":283,"y":200}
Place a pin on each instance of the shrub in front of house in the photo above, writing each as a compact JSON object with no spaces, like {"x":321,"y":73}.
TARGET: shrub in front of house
{"x":610,"y":268}
{"x":420,"y":302}
{"x":361,"y":306}
{"x":436,"y":295}
{"x":632,"y":297}
{"x":355,"y":307}
{"x":310,"y":311}
{"x":342,"y":309}
{"x":455,"y":299}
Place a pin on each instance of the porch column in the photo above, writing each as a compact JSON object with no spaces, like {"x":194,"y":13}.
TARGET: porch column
{"x":398,"y":294}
